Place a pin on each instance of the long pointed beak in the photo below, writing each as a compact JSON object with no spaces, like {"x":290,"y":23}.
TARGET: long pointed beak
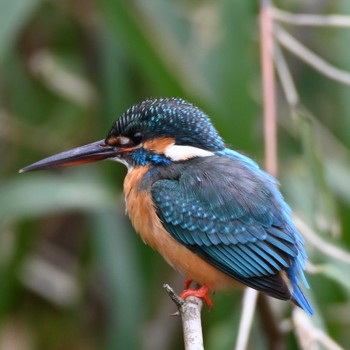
{"x":85,"y":154}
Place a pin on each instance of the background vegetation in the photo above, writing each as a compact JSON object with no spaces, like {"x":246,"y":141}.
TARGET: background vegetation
{"x":73,"y":273}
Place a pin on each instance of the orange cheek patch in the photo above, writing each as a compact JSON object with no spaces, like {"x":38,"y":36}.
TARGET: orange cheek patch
{"x":159,"y":145}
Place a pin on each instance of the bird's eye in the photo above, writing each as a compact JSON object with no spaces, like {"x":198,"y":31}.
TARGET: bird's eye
{"x":137,"y":137}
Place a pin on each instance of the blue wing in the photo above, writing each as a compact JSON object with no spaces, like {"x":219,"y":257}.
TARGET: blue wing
{"x":231,"y":213}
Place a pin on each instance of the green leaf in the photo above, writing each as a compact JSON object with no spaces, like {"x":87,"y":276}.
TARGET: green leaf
{"x":34,"y":195}
{"x":337,"y":272}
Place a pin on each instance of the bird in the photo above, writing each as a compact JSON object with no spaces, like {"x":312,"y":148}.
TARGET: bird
{"x":212,"y":213}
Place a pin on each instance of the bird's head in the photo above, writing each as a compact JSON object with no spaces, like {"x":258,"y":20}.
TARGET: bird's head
{"x":153,"y":132}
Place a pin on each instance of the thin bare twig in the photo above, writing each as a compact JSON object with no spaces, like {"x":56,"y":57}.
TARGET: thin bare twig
{"x":333,"y":145}
{"x":190,"y":312}
{"x":319,"y":243}
{"x":286,"y":78}
{"x":310,"y":336}
{"x":248,"y":309}
{"x":310,"y":20}
{"x":309,"y":57}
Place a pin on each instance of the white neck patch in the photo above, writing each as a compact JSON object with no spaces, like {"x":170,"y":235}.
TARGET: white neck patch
{"x":177,"y":152}
{"x":124,"y":162}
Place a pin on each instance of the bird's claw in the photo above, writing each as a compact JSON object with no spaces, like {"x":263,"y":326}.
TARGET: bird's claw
{"x":201,"y":292}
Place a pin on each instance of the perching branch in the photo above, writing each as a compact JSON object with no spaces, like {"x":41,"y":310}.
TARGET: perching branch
{"x":190,"y":312}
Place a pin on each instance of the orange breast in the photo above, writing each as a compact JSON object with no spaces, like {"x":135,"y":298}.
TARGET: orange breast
{"x":141,"y":210}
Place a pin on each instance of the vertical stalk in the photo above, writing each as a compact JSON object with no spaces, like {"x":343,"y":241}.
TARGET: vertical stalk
{"x":268,"y":87}
{"x":270,"y":140}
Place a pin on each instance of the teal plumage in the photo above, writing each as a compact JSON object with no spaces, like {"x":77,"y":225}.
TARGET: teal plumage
{"x":233,"y":216}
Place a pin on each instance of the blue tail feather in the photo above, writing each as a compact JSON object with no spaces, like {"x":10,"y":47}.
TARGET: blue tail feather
{"x":300,"y":300}
{"x":295,"y":273}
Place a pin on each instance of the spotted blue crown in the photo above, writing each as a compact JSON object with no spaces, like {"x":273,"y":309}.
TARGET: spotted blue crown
{"x":169,"y":117}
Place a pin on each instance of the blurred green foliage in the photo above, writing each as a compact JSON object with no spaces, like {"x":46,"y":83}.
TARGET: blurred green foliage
{"x":73,"y":273}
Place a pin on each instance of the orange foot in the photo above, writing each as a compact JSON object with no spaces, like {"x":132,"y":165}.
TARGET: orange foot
{"x":201,"y":292}
{"x":187,"y":283}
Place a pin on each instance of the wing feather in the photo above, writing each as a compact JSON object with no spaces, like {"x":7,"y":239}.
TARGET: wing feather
{"x":233,"y":217}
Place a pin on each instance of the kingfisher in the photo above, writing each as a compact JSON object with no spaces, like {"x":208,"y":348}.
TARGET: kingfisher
{"x":211,"y":212}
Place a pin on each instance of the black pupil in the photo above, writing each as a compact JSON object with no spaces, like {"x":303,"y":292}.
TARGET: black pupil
{"x":137,"y":137}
